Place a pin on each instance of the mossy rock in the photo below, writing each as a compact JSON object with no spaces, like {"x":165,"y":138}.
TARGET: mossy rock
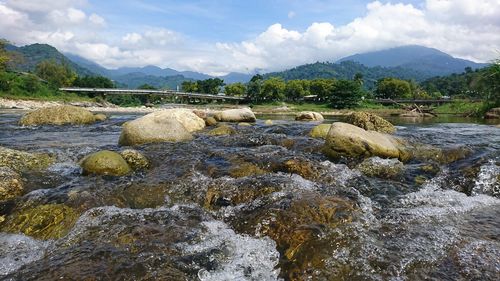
{"x":420,"y":180}
{"x":11,"y":185}
{"x":50,"y":221}
{"x":222,"y":130}
{"x":268,"y":122}
{"x":58,"y":115}
{"x":320,"y":131}
{"x":21,"y":161}
{"x":245,"y":169}
{"x":382,"y":168}
{"x":244,"y":124}
{"x":135,"y":159}
{"x":371,"y":122}
{"x":443,"y":156}
{"x":300,"y":167}
{"x":105,"y":163}
{"x":210,"y":121}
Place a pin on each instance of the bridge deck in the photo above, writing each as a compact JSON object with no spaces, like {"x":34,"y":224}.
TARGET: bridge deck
{"x":150,"y":92}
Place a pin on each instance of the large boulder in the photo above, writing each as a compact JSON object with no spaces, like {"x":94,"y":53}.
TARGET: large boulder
{"x":309,"y":116}
{"x":236,"y":115}
{"x":348,"y":140}
{"x":105,"y":163}
{"x":371,"y":122}
{"x":185,"y":116}
{"x":11,"y":184}
{"x":493,"y":113}
{"x":320,"y":131}
{"x":158,"y":127}
{"x":59,"y":115}
{"x":21,"y":161}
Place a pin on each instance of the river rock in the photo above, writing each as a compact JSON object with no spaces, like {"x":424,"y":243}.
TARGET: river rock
{"x":236,"y":115}
{"x":222,"y":130}
{"x":320,"y":131}
{"x":268,"y":122}
{"x":371,"y":122}
{"x":245,"y":169}
{"x":21,"y":161}
{"x":105,"y":163}
{"x":493,"y":113}
{"x":49,"y":221}
{"x":210,"y":121}
{"x":348,"y":140}
{"x":100,"y":117}
{"x":382,"y":168}
{"x":309,"y":116}
{"x":153,"y":128}
{"x":59,"y":115}
{"x":11,"y":184}
{"x":135,"y":159}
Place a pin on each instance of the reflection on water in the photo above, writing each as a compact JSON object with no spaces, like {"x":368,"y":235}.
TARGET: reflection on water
{"x":262,"y":204}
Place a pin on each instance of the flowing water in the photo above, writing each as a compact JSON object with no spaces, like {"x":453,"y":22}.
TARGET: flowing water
{"x":263,"y":204}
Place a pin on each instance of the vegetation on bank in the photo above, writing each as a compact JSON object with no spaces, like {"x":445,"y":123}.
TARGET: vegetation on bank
{"x":318,"y":94}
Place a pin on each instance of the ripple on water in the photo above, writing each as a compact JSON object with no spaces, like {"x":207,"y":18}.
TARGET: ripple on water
{"x":17,"y":250}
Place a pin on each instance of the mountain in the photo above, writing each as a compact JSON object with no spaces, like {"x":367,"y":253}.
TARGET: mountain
{"x":347,"y":70}
{"x":235,"y":77}
{"x":35,"y":53}
{"x":428,"y":61}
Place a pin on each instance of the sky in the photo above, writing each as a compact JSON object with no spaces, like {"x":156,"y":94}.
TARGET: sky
{"x":217,"y":37}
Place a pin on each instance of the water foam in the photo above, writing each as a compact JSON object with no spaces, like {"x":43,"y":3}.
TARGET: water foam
{"x":17,"y":250}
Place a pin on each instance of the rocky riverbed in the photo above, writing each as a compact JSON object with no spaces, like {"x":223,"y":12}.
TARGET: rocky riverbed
{"x":251,"y":201}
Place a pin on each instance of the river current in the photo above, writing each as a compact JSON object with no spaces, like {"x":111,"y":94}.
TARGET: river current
{"x":262,"y":204}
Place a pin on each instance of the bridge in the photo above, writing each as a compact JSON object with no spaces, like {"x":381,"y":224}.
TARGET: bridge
{"x":167,"y":93}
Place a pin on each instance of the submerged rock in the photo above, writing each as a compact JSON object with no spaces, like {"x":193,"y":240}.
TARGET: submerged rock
{"x":222,"y":130}
{"x":348,"y":140}
{"x":382,"y":168}
{"x":371,"y":122}
{"x":105,"y":163}
{"x":21,"y":160}
{"x":236,"y":115}
{"x":59,"y":115}
{"x":135,"y":159}
{"x":11,"y":185}
{"x":245,"y":169}
{"x":268,"y":122}
{"x":50,"y":221}
{"x":444,"y":156}
{"x":309,"y":116}
{"x":153,"y":128}
{"x":320,"y":131}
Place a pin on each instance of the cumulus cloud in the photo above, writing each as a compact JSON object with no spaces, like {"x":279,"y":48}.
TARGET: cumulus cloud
{"x":463,"y":28}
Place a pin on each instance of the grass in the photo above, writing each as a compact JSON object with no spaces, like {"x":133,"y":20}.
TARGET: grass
{"x":463,"y":107}
{"x":68,"y":97}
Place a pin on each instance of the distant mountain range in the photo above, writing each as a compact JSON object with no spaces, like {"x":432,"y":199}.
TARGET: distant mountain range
{"x":408,"y":62}
{"x":430,"y":62}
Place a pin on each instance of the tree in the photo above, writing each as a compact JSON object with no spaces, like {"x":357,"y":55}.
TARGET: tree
{"x":296,"y":89}
{"x":322,"y":88}
{"x":93,"y":82}
{"x":58,"y":75}
{"x":345,"y":94}
{"x":146,"y":87}
{"x":393,"y":88}
{"x":189,"y":86}
{"x":254,"y":89}
{"x":358,"y":78}
{"x":4,"y":55}
{"x":210,"y":86}
{"x":273,"y":89}
{"x":235,"y":89}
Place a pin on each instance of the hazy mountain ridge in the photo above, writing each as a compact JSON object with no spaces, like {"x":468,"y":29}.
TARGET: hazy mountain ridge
{"x":429,"y":61}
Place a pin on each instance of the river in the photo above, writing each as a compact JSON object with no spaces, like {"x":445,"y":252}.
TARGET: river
{"x":263,"y":204}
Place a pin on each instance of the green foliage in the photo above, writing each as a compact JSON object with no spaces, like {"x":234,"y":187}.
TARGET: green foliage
{"x":189,"y":86}
{"x":296,"y":89}
{"x":210,"y":86}
{"x":346,"y":94}
{"x":57,"y":75}
{"x":273,"y":89}
{"x":4,"y":55}
{"x":322,"y":88}
{"x":392,"y":88}
{"x":235,"y":89}
{"x":93,"y":82}
{"x":146,"y":87}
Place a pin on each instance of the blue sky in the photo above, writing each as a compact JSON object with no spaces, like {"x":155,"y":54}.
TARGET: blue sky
{"x":218,"y":37}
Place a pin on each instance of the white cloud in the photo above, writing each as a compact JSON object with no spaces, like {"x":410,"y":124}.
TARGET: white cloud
{"x":463,"y":28}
